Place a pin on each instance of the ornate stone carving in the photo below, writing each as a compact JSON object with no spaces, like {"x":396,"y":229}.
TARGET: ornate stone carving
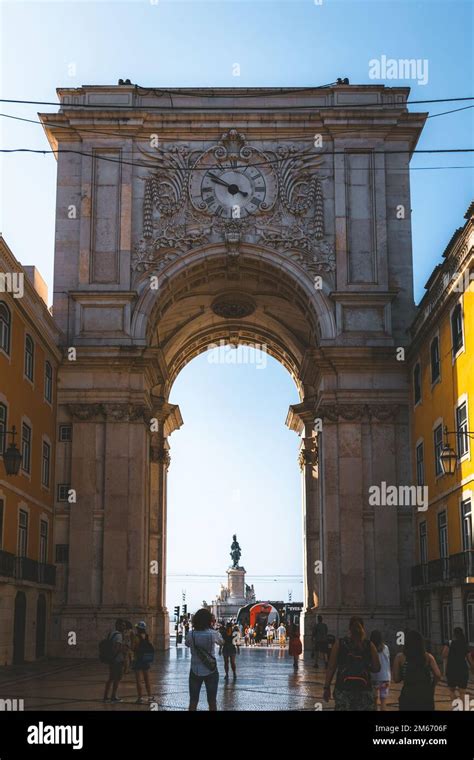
{"x":120,"y":412}
{"x":160,"y":455}
{"x":233,"y":306}
{"x":352,"y":412}
{"x":287,"y":217}
{"x":86,"y":412}
{"x":308,"y":454}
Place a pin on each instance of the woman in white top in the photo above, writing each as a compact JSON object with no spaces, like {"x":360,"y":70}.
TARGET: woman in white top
{"x":202,"y":641}
{"x":381,"y":680}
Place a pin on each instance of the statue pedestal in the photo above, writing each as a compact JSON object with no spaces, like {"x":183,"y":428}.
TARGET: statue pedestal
{"x":236,"y":585}
{"x":225,"y":610}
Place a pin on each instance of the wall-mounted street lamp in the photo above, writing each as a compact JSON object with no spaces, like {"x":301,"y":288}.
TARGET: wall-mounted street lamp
{"x":12,"y":456}
{"x":448,"y":457}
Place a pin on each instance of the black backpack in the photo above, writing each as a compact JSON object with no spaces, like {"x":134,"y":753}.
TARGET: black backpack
{"x":355,"y":665}
{"x":146,"y":652}
{"x":106,"y":650}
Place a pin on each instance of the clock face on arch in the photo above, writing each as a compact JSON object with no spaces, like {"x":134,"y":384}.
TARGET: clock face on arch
{"x":232,"y":192}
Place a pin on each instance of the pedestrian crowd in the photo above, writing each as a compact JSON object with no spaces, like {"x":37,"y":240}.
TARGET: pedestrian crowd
{"x":361,"y":666}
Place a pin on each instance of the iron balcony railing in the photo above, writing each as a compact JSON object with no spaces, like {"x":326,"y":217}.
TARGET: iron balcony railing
{"x":456,"y":567}
{"x":25,"y":569}
{"x":7,"y":564}
{"x":462,"y":565}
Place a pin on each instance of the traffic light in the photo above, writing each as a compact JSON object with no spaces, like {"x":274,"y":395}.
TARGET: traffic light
{"x":176,"y":612}
{"x":185,"y":610}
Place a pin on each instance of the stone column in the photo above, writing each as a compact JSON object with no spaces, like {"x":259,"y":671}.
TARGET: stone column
{"x":168,"y":418}
{"x":361,"y":548}
{"x":108,"y":523}
{"x":159,"y":463}
{"x":301,"y":419}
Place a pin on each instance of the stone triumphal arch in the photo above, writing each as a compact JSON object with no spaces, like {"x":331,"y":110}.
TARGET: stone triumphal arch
{"x":274,"y":217}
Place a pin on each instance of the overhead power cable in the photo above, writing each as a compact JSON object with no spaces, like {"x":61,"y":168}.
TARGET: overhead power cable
{"x":243,"y":166}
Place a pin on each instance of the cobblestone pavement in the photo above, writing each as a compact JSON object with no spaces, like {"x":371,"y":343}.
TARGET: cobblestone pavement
{"x":265,"y":680}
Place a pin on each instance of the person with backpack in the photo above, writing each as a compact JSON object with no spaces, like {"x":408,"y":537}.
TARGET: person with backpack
{"x":458,"y":661}
{"x":419,"y":673}
{"x":202,"y":641}
{"x":111,"y":652}
{"x":381,"y":680}
{"x":144,"y":655}
{"x":355,"y":658}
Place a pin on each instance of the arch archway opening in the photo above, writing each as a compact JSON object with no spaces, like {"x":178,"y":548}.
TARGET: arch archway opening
{"x":234,"y":471}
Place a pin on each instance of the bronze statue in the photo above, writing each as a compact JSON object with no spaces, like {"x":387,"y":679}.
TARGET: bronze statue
{"x":235,"y":552}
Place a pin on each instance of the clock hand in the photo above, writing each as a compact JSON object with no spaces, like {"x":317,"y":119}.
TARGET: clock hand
{"x":232,"y":188}
{"x":218,"y":180}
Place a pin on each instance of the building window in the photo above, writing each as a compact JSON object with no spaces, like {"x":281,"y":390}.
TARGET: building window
{"x":446,"y":621}
{"x":22,"y":533}
{"x":65,"y":433}
{"x":417,"y":382}
{"x":466,"y":525}
{"x":470,"y":618}
{"x":461,"y":430}
{"x":5,"y":327}
{"x":456,"y":329}
{"x":423,"y":543}
{"x":48,"y":382}
{"x":46,"y":468}
{"x":435,"y":363}
{"x":443,"y":541}
{"x":63,"y":491}
{"x":420,"y":467}
{"x":43,"y":548}
{"x":2,"y":510}
{"x":425,"y":618}
{"x":26,"y":447}
{"x":438,"y":446}
{"x":29,"y":357}
{"x":3,"y":428}
{"x":62,"y":553}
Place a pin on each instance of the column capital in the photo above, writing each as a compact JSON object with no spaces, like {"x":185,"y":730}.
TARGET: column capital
{"x":309,"y":454}
{"x":159,"y":454}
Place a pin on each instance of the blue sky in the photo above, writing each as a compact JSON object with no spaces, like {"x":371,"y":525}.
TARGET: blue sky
{"x":196,"y":43}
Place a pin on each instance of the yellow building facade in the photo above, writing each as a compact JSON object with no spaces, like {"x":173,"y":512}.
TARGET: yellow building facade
{"x":29,"y":358}
{"x":442,"y":439}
